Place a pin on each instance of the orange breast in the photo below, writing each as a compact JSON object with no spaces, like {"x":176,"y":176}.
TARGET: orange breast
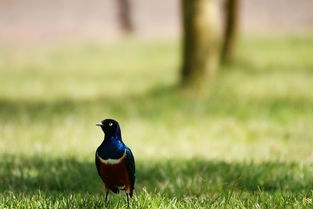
{"x":115,"y":175}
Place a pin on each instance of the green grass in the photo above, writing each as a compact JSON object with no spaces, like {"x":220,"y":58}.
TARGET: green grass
{"x":248,"y":144}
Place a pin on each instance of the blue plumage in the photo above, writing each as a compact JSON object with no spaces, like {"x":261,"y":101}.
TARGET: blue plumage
{"x":111,"y":148}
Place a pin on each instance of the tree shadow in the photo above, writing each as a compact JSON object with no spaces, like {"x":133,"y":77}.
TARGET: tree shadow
{"x":160,"y":103}
{"x":171,"y":177}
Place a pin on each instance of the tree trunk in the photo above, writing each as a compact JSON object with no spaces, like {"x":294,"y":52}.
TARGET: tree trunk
{"x":124,"y":16}
{"x":200,"y":41}
{"x":231,"y":22}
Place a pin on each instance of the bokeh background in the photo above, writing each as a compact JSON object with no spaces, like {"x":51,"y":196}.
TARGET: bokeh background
{"x":65,"y":65}
{"x":80,"y":20}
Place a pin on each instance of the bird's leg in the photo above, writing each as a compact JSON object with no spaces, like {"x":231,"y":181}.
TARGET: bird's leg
{"x":106,"y":196}
{"x":127,"y":198}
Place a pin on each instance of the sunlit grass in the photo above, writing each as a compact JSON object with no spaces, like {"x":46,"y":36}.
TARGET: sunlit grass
{"x":248,"y":144}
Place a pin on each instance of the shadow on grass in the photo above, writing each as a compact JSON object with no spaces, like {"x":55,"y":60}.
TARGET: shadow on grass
{"x":161,"y":103}
{"x":171,"y":177}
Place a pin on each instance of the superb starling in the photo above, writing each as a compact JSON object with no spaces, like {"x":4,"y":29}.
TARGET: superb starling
{"x":115,"y":161}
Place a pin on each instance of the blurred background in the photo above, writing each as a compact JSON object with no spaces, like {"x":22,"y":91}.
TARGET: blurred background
{"x":34,"y":20}
{"x":212,"y":96}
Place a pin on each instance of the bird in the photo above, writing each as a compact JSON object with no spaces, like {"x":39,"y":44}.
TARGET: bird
{"x":115,"y":161}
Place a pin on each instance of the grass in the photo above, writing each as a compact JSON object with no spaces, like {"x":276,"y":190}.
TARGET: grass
{"x":246,"y":145}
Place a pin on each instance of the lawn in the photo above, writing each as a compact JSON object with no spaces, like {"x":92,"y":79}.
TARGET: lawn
{"x":247,"y":144}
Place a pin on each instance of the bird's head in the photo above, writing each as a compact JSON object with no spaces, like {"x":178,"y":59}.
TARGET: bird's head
{"x":110,"y":127}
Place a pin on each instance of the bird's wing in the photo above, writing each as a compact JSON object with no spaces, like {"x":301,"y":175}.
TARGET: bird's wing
{"x":130,"y":164}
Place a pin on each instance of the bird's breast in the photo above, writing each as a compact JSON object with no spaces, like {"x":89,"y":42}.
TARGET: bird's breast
{"x":112,"y":161}
{"x":114,"y":173}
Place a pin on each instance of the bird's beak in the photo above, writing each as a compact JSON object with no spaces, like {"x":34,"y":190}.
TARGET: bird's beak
{"x":99,"y":124}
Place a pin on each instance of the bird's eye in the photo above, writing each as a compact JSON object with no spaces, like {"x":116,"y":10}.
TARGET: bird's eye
{"x":110,"y":124}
